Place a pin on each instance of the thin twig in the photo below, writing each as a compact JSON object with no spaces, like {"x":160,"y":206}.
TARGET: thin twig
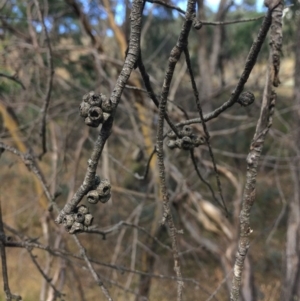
{"x":169,"y":100}
{"x":151,"y":93}
{"x":112,"y":282}
{"x":143,"y":177}
{"x":116,"y":227}
{"x":92,"y":270}
{"x":207,"y":137}
{"x":50,"y":79}
{"x":136,"y":175}
{"x":163,"y":3}
{"x":29,"y":161}
{"x":201,"y":178}
{"x":173,"y":59}
{"x":9,"y":295}
{"x":219,"y":286}
{"x":221,"y":23}
{"x":49,"y":280}
{"x":13,"y":78}
{"x":64,"y":254}
{"x":283,"y":208}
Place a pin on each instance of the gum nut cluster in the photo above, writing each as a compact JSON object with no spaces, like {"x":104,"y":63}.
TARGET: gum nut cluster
{"x":101,"y":193}
{"x":95,"y":109}
{"x":246,"y":99}
{"x":187,"y":141}
{"x":79,"y":220}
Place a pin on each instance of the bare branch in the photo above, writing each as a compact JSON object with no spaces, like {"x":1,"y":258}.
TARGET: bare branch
{"x":173,"y":59}
{"x":50,"y":80}
{"x":123,"y":223}
{"x":201,"y":178}
{"x":163,"y":3}
{"x":250,"y":62}
{"x":29,"y":243}
{"x":196,"y":94}
{"x":151,"y":93}
{"x":128,"y":66}
{"x":221,"y":23}
{"x":57,"y":293}
{"x":262,"y":128}
{"x":29,"y":161}
{"x":92,"y":270}
{"x":3,"y":238}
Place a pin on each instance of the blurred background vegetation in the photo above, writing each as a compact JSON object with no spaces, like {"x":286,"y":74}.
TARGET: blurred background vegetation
{"x":88,"y":40}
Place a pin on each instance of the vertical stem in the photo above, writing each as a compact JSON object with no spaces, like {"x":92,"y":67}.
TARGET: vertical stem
{"x":173,"y":59}
{"x":262,"y":128}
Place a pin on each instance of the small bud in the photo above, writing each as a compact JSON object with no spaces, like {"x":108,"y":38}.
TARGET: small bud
{"x":106,"y":104}
{"x":95,"y":100}
{"x":246,"y":99}
{"x":93,"y":196}
{"x":91,"y":123}
{"x":83,"y":209}
{"x":86,"y":96}
{"x":186,"y":143}
{"x":105,"y":198}
{"x":84,"y":109}
{"x":88,"y":219}
{"x":92,"y":99}
{"x":68,"y":221}
{"x":95,"y":114}
{"x":197,"y":24}
{"x":76,"y":227}
{"x":198,"y":140}
{"x":171,"y":135}
{"x":79,"y":217}
{"x":171,"y":144}
{"x":186,"y":131}
{"x":103,"y":188}
{"x":178,"y":143}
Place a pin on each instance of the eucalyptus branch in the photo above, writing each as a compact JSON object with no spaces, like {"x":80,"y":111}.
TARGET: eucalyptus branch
{"x":263,"y":125}
{"x":131,"y":59}
{"x":250,"y":62}
{"x":173,"y":59}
